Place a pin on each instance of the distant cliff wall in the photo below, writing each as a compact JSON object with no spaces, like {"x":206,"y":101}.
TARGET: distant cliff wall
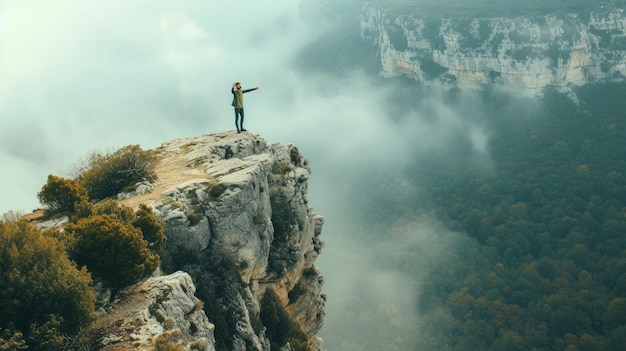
{"x":525,"y":52}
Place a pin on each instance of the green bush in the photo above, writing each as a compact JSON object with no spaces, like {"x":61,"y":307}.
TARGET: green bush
{"x":144,"y":219}
{"x":199,"y":345}
{"x":60,"y":194}
{"x":216,"y":189}
{"x":170,"y":341}
{"x":281,"y":328}
{"x":123,"y":213}
{"x":281,"y":168}
{"x":43,"y":296}
{"x":11,"y":340}
{"x":83,"y":209}
{"x":194,"y":217}
{"x":105,"y":175}
{"x":112,"y":250}
{"x":152,"y":228}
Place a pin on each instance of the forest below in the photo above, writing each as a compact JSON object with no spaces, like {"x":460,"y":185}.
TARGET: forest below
{"x":527,"y":255}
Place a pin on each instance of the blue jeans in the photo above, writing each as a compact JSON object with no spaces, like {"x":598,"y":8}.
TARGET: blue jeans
{"x":238,"y":124}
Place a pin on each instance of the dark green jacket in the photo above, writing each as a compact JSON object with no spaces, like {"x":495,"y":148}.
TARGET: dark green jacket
{"x":238,"y":96}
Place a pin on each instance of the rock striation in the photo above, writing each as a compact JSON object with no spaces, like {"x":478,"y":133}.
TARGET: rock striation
{"x":158,"y":311}
{"x":528,"y":52}
{"x":238,"y":223}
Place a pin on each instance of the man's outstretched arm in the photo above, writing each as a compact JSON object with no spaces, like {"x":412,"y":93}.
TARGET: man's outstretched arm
{"x":248,"y":90}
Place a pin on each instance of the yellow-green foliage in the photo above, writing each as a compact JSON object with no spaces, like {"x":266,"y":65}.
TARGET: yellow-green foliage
{"x":11,"y":340}
{"x":194,"y":217}
{"x":60,"y":194}
{"x":152,"y":228}
{"x":169,"y":324}
{"x":123,"y":213}
{"x":173,"y":203}
{"x":106,"y":175}
{"x":42,"y":294}
{"x":280,"y":327}
{"x":111,"y":249}
{"x":281,"y":168}
{"x":170,"y":341}
{"x":199,"y":345}
{"x":84,"y":209}
{"x":216,"y":189}
{"x":114,"y":242}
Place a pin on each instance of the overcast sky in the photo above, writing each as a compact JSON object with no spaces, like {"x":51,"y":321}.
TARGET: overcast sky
{"x":78,"y":76}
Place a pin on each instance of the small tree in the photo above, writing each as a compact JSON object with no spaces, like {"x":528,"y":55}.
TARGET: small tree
{"x":280,"y":327}
{"x":123,"y":213}
{"x":12,"y":340}
{"x":152,"y":228}
{"x":60,"y":194}
{"x":112,"y":250}
{"x":42,"y":294}
{"x":106,"y":175}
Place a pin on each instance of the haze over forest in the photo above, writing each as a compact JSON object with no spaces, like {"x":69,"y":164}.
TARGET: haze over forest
{"x":504,"y":230}
{"x":454,"y":220}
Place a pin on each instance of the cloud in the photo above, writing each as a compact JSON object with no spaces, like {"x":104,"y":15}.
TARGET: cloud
{"x":78,"y":76}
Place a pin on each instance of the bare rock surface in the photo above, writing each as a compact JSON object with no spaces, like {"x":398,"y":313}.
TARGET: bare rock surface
{"x":238,"y":223}
{"x":160,"y":309}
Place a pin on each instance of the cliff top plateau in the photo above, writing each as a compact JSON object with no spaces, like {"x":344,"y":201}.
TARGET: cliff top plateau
{"x":238,"y":269}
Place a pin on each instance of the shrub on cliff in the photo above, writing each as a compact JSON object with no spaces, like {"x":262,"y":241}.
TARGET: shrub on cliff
{"x":112,"y":250}
{"x":43,"y":296}
{"x":152,"y":228}
{"x":281,"y":328}
{"x":123,"y":213}
{"x":144,"y":219}
{"x":106,"y":174}
{"x":61,"y":194}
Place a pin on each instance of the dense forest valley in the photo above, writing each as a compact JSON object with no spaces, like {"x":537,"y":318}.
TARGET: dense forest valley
{"x":524,"y":252}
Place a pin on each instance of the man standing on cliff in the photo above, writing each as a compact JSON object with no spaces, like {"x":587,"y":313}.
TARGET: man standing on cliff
{"x":238,"y":104}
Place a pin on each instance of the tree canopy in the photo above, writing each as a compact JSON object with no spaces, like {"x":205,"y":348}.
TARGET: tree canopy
{"x":42,"y":293}
{"x":538,"y":252}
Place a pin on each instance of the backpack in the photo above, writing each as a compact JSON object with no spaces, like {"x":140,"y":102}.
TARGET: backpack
{"x":234,"y":103}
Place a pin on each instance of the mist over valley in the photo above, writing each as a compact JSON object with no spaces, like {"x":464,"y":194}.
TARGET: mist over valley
{"x":470,"y":170}
{"x":490,"y":221}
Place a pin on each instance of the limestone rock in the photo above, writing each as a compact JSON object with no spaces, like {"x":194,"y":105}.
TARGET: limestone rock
{"x":159,"y":310}
{"x":238,"y":221}
{"x":527,"y":52}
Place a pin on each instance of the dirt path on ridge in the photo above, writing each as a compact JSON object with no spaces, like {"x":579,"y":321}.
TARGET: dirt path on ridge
{"x":172,"y":172}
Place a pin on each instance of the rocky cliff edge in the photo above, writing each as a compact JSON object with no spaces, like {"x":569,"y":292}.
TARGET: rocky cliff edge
{"x":238,"y":223}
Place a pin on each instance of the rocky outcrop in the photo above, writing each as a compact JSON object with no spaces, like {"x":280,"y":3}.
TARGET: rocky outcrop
{"x":527,"y":52}
{"x":239,"y":223}
{"x":159,"y":311}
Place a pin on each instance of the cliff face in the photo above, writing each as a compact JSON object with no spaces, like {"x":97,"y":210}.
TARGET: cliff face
{"x":238,"y":222}
{"x":161,"y":310}
{"x":529,"y":52}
